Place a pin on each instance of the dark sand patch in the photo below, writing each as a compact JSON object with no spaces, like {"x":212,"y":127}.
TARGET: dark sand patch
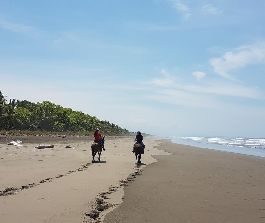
{"x":195,"y":185}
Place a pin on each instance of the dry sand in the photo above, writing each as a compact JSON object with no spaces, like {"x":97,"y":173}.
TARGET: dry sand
{"x":196,"y":186}
{"x":61,"y":184}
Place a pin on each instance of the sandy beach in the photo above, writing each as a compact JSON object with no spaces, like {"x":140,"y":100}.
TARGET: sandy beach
{"x":196,"y":185}
{"x":62,"y":184}
{"x":176,"y":184}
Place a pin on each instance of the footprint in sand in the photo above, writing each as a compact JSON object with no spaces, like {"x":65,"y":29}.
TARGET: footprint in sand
{"x":59,"y":176}
{"x":11,"y":190}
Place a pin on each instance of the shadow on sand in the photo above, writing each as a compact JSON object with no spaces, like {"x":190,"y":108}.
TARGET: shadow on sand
{"x":140,"y":164}
{"x":95,"y":161}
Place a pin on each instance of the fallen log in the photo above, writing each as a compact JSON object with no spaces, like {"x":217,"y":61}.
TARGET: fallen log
{"x":44,"y":146}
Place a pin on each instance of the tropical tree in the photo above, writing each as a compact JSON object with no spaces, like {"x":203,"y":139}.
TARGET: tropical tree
{"x":47,"y":116}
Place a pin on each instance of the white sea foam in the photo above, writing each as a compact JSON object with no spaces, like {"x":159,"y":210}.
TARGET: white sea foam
{"x":241,"y":142}
{"x":218,"y":141}
{"x":247,"y":146}
{"x":194,"y":138}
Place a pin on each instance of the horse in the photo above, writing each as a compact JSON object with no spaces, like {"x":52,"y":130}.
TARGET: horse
{"x":97,"y":147}
{"x":138,"y":150}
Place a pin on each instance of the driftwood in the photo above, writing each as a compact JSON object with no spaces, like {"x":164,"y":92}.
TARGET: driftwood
{"x":15,"y":143}
{"x":44,"y":146}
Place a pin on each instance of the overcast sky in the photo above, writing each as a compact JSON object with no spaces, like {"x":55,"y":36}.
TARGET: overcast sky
{"x":166,"y":67}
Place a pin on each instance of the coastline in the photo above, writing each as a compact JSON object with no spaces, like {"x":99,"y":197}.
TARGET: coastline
{"x":196,"y":185}
{"x":249,"y":151}
{"x":177,"y":183}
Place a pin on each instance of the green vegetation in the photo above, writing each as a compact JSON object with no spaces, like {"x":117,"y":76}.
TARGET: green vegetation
{"x":49,"y":117}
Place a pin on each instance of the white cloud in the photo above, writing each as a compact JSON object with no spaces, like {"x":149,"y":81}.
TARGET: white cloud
{"x":238,"y":58}
{"x":209,"y":9}
{"x":82,"y":40}
{"x":187,"y":11}
{"x":224,"y":89}
{"x":166,"y":79}
{"x":180,"y":97}
{"x":182,"y":8}
{"x":199,"y":75}
{"x":18,"y":28}
{"x":168,"y":89}
{"x":160,"y":28}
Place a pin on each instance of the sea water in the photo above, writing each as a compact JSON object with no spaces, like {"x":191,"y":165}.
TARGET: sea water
{"x":246,"y":146}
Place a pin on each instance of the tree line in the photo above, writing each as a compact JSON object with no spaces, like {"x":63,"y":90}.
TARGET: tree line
{"x":47,"y":116}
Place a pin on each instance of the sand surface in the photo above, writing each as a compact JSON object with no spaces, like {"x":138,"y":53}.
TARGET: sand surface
{"x":61,"y":184}
{"x":196,"y":185}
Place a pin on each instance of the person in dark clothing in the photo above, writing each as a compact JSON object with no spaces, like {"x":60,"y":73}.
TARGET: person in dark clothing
{"x":139,"y":140}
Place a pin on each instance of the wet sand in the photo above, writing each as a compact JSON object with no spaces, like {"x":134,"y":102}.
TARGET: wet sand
{"x":195,"y":185}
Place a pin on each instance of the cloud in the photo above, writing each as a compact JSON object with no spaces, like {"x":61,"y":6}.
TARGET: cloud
{"x":166,"y":79}
{"x":225,"y":89}
{"x":179,"y":97}
{"x":187,"y":11}
{"x":182,"y":8}
{"x":170,"y":90}
{"x":198,"y":75}
{"x":82,"y":40}
{"x":209,"y":9}
{"x":161,"y":28}
{"x":238,"y":58}
{"x":18,"y":28}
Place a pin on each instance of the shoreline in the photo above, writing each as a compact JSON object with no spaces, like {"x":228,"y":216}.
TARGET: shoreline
{"x":75,"y":190}
{"x":249,"y":151}
{"x":232,"y":150}
{"x":195,"y":185}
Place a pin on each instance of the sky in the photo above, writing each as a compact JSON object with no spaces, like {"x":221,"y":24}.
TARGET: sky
{"x":165,"y":67}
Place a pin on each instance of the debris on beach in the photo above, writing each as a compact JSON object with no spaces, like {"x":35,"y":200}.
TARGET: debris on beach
{"x":61,"y":136}
{"x":44,"y":146}
{"x":15,"y":143}
{"x":68,"y":147}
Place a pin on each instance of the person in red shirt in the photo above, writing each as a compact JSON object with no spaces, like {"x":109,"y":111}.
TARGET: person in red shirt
{"x":97,"y":136}
{"x":99,"y":139}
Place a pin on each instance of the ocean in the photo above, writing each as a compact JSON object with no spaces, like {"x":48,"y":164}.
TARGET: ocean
{"x":246,"y":146}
